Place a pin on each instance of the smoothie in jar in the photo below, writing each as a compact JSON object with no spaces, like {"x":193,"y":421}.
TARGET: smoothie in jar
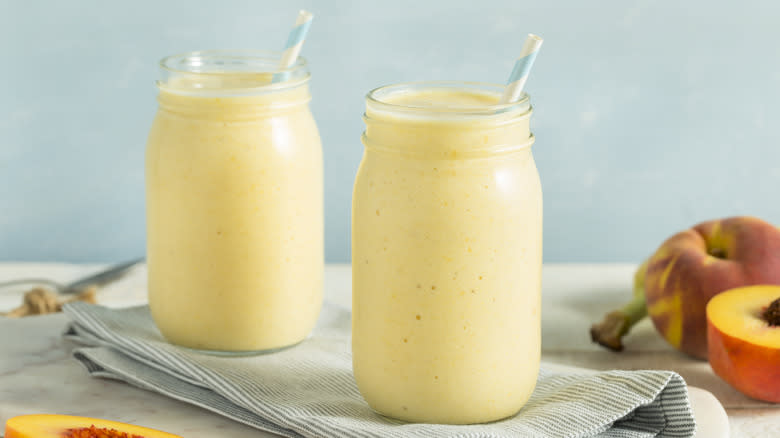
{"x":446,"y":254}
{"x":234,"y":202}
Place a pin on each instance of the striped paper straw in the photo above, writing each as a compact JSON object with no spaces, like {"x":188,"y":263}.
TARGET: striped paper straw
{"x":294,"y":44}
{"x":516,"y":82}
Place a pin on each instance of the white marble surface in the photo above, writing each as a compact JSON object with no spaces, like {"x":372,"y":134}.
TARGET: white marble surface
{"x":37,"y":374}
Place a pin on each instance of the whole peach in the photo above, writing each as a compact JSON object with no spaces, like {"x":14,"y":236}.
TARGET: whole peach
{"x":694,"y":265}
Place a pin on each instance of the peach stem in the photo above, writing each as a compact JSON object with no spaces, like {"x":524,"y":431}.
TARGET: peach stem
{"x":616,"y":324}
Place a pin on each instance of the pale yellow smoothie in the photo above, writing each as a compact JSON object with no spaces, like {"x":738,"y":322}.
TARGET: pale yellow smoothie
{"x":446,"y":255}
{"x":234,"y":203}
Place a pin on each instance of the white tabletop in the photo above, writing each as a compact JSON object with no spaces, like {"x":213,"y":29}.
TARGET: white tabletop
{"x":37,"y":374}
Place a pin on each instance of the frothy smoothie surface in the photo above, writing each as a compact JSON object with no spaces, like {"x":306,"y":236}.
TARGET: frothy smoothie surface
{"x":442,"y":99}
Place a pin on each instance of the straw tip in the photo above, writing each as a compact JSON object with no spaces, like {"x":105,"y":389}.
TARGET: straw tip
{"x":305,"y":15}
{"x":534,"y":41}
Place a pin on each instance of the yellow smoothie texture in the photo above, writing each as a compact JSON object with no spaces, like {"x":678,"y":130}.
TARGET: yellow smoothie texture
{"x":446,"y":255}
{"x":234,"y":212}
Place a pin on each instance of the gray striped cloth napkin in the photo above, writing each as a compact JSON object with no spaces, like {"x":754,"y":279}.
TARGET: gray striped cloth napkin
{"x":309,"y":391}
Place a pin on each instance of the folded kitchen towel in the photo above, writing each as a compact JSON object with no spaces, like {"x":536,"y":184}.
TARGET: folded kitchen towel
{"x":308,"y":390}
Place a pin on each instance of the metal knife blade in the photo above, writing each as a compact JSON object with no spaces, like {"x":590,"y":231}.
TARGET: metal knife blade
{"x":101,"y":278}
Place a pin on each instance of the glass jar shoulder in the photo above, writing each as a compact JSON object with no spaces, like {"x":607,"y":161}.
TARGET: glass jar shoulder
{"x":502,"y":175}
{"x":283,"y":133}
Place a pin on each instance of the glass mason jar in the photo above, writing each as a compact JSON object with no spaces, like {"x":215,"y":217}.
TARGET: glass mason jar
{"x":446,"y":254}
{"x":234,"y":200}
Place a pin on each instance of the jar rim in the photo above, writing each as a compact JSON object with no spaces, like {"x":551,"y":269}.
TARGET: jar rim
{"x":213,"y":64}
{"x":377,"y":99}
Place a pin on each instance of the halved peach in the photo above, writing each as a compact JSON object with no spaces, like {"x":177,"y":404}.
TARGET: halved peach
{"x":66,"y":426}
{"x":743,"y":339}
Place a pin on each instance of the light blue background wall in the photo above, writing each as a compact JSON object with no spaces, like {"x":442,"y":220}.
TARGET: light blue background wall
{"x":650,"y":116}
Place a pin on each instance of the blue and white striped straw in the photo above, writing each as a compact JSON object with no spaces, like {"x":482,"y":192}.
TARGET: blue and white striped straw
{"x":516,"y":82}
{"x":294,"y":44}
